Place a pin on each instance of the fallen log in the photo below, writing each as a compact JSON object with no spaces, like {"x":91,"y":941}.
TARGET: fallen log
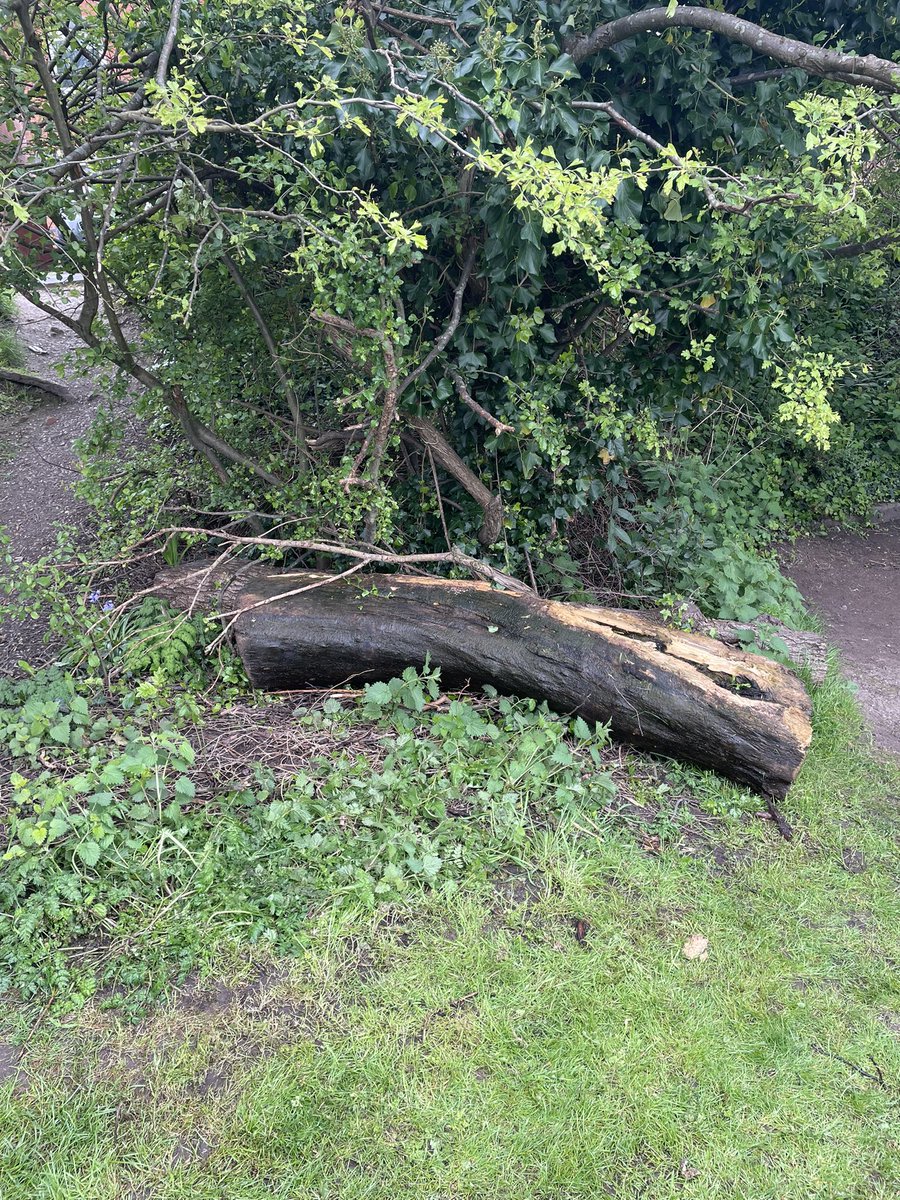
{"x":673,"y":693}
{"x":50,"y":386}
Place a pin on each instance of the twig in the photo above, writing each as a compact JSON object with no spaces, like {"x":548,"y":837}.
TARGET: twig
{"x":466,"y":396}
{"x":784,"y":827}
{"x":878,"y":1077}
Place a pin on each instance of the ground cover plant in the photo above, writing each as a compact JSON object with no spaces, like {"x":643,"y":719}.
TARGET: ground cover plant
{"x":534,"y":1027}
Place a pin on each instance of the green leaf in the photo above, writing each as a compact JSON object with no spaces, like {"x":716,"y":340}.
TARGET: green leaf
{"x":88,"y":852}
{"x":57,"y":827}
{"x":562,"y":754}
{"x":61,"y":732}
{"x":379,"y":693}
{"x":581,"y":729}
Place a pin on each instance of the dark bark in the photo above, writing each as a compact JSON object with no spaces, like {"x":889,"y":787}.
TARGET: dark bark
{"x":35,"y":381}
{"x":662,"y":690}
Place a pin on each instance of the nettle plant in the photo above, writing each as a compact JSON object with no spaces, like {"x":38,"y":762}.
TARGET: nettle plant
{"x":118,"y":839}
{"x":459,"y":276}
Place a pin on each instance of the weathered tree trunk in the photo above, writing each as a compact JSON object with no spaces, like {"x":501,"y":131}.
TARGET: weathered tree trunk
{"x":674,"y":693}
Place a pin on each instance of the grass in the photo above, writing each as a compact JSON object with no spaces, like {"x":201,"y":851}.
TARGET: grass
{"x":540,"y":1035}
{"x":10,"y":350}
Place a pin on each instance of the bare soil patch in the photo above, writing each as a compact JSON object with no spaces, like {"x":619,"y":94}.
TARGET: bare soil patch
{"x":853,"y":581}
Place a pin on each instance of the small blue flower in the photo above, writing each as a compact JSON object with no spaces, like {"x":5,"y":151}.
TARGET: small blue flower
{"x":107,"y":606}
{"x":93,"y":598}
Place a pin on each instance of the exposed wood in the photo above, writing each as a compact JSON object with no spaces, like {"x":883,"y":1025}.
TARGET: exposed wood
{"x":804,"y":648}
{"x":673,"y":693}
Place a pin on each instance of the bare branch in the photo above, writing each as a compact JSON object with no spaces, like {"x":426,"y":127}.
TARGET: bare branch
{"x":452,"y":557}
{"x":855,"y":249}
{"x":455,"y":314}
{"x":867,"y":69}
{"x":446,"y":456}
{"x":168,"y":44}
{"x":465,"y":395}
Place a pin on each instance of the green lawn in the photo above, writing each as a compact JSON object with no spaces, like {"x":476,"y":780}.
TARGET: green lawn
{"x":484,"y":1044}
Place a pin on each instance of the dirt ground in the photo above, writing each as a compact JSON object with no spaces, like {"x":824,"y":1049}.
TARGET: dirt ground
{"x":853,"y":581}
{"x":37,"y":479}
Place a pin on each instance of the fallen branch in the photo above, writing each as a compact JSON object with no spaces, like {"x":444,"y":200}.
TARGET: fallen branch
{"x":462,"y":390}
{"x":35,"y":381}
{"x":446,"y":456}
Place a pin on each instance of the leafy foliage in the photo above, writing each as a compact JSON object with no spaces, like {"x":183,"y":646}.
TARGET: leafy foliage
{"x":589,"y":273}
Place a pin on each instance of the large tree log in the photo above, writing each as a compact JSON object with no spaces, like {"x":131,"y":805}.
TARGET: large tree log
{"x":674,"y":693}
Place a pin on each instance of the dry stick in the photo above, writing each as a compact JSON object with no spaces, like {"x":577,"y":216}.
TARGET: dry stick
{"x":440,"y":499}
{"x":783,"y":826}
{"x":878,"y":1077}
{"x":452,"y":557}
{"x":466,"y":396}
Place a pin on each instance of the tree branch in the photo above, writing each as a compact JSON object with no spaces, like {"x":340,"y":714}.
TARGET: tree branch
{"x":446,"y":456}
{"x":34,"y":381}
{"x":168,"y":44}
{"x":266,"y":334}
{"x":867,"y":69}
{"x":855,"y":249}
{"x":452,"y":324}
{"x":465,"y":395}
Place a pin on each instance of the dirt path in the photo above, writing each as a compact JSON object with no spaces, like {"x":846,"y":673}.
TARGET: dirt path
{"x":37,"y":481}
{"x":853,"y":581}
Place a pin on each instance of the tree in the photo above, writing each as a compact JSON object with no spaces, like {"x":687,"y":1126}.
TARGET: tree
{"x":458,"y":276}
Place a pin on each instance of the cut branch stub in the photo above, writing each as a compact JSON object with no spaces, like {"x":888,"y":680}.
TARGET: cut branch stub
{"x":673,"y":693}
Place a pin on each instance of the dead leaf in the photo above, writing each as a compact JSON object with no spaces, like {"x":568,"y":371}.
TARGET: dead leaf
{"x":696,"y":948}
{"x":687,"y":1171}
{"x":581,"y":930}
